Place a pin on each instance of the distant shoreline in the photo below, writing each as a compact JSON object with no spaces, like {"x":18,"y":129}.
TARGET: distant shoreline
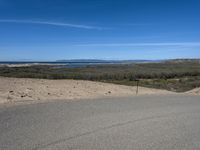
{"x":69,"y":63}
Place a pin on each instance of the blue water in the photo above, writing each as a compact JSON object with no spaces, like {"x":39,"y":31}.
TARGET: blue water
{"x":63,"y":64}
{"x":79,"y":63}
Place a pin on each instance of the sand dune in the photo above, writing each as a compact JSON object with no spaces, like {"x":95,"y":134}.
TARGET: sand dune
{"x":195,"y":91}
{"x":24,"y":90}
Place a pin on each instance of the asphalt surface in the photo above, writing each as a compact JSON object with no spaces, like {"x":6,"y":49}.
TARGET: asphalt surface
{"x":138,"y":123}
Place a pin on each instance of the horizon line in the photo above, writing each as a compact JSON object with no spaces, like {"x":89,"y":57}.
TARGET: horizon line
{"x":178,"y":58}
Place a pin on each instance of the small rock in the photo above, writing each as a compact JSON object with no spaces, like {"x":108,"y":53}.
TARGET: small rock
{"x":9,"y":98}
{"x":24,"y":95}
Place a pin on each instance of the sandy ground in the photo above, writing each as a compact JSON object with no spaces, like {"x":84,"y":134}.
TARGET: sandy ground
{"x":28,"y":65}
{"x":195,"y":91}
{"x":25,"y":90}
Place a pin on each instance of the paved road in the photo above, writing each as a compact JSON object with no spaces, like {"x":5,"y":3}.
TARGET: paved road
{"x":137,"y":123}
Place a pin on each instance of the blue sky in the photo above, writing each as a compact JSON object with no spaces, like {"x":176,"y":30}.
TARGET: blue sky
{"x":99,"y":29}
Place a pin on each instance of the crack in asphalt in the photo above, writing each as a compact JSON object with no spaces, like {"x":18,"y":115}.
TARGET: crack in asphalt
{"x":102,"y":129}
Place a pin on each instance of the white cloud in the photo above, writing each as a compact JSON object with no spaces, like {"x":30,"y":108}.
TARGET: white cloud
{"x":51,"y":23}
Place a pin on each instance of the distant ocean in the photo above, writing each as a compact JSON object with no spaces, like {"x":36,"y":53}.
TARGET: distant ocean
{"x":77,"y":63}
{"x":63,"y":64}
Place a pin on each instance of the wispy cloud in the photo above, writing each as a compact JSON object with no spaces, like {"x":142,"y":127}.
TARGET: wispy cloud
{"x":143,"y":44}
{"x":61,"y":24}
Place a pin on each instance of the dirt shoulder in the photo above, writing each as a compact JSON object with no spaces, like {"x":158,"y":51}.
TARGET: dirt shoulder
{"x":19,"y":89}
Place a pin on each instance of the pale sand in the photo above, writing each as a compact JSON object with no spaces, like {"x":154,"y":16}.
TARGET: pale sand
{"x":195,"y":91}
{"x":29,"y":65}
{"x":25,"y":90}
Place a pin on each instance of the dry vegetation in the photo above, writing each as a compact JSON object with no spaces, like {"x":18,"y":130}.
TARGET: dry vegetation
{"x":175,"y":75}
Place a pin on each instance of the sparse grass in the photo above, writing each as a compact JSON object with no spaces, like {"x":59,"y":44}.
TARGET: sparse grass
{"x":176,"y":85}
{"x":179,"y":76}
